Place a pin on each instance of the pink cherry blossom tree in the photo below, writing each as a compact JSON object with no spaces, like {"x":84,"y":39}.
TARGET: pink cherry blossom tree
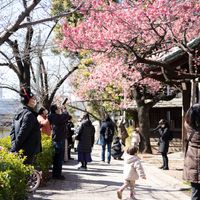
{"x":100,"y":83}
{"x":128,"y":40}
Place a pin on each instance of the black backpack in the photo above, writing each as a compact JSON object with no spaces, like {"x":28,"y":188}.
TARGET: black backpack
{"x":108,"y":134}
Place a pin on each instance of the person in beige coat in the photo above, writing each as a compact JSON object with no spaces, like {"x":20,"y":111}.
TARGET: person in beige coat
{"x":191,"y":170}
{"x":132,"y":171}
{"x":135,"y":137}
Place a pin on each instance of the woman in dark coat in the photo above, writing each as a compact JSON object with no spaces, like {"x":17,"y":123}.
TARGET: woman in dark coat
{"x":164,"y":132}
{"x":86,"y":141}
{"x":191,"y":170}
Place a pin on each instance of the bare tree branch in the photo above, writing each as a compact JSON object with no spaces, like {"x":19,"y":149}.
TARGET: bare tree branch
{"x":16,"y":53}
{"x":9,"y":87}
{"x":10,"y":64}
{"x":14,"y":27}
{"x":60,"y":83}
{"x":56,"y":17}
{"x":4,"y":64}
{"x":85,"y":111}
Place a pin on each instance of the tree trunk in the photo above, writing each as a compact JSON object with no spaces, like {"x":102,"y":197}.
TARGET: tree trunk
{"x":144,"y":124}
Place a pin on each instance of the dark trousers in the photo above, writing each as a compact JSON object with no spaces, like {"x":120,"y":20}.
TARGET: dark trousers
{"x":165,"y":160}
{"x":195,"y":191}
{"x":59,"y":148}
{"x":30,"y":159}
{"x":108,"y":144}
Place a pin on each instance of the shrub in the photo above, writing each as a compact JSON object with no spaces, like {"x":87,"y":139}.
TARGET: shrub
{"x":44,"y":159}
{"x":5,"y":142}
{"x":13,"y":176}
{"x":13,"y":173}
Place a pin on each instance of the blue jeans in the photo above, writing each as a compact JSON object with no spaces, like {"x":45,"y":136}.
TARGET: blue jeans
{"x":108,"y":151}
{"x":195,"y":191}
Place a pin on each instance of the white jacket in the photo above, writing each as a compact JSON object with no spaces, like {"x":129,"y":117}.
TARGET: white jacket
{"x":132,"y":168}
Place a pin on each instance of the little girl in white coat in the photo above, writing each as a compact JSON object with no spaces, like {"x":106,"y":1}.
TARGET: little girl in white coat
{"x":132,"y":171}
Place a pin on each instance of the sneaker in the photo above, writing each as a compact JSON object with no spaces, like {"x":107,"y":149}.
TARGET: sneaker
{"x":119,"y":194}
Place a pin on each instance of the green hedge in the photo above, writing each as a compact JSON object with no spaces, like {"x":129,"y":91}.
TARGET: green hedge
{"x":13,"y":176}
{"x":13,"y":172}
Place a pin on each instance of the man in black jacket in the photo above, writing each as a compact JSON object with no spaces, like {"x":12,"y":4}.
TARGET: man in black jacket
{"x":106,"y":137}
{"x":25,"y":134}
{"x":58,"y":119}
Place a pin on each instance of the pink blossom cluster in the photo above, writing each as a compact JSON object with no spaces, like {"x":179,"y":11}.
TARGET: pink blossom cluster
{"x":106,"y":25}
{"x":114,"y":31}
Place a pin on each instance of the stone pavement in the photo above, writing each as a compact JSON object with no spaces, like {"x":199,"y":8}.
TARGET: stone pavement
{"x":101,"y":181}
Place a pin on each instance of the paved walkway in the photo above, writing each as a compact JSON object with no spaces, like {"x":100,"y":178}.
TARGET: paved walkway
{"x":101,"y":181}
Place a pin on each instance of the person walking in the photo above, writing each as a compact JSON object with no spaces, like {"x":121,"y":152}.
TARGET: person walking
{"x":25,"y":134}
{"x":58,"y":119}
{"x":85,"y":137}
{"x":133,"y":169}
{"x":164,"y":132}
{"x":106,"y":137}
{"x":43,"y":120}
{"x":191,"y":169}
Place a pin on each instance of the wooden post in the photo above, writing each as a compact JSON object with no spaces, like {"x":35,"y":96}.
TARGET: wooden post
{"x":186,"y":93}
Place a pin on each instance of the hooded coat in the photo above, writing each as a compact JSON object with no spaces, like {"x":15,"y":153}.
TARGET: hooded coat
{"x":86,"y":137}
{"x":25,"y":134}
{"x":132,"y":168}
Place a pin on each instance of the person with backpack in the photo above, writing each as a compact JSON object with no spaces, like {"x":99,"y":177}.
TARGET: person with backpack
{"x":164,"y":139}
{"x":106,"y":137}
{"x":25,"y":134}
